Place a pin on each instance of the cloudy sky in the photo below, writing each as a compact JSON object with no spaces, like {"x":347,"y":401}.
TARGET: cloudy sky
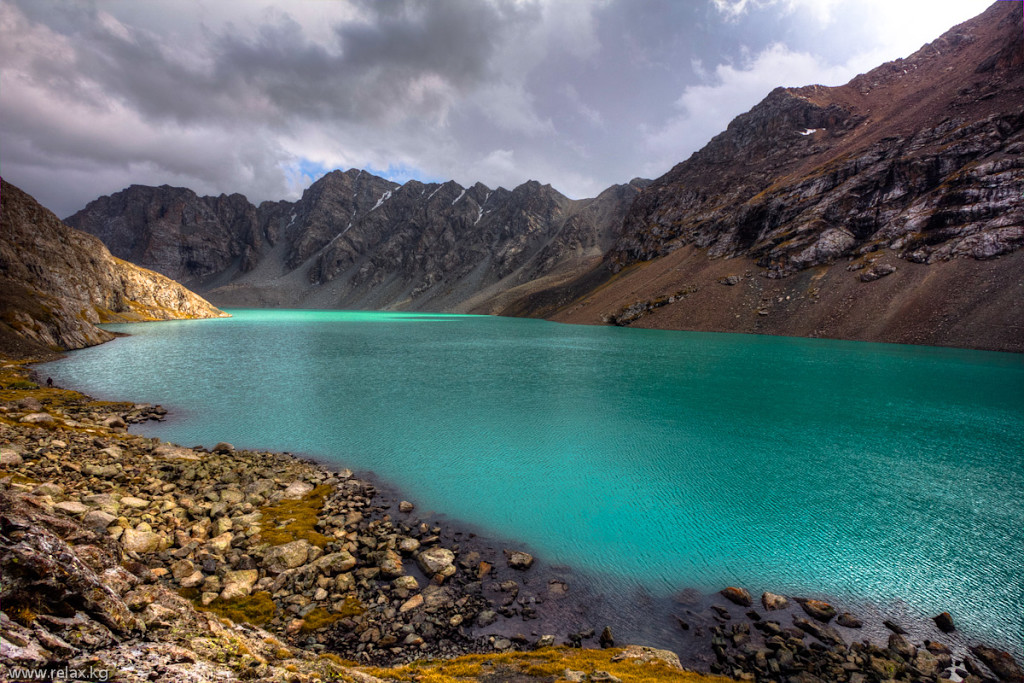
{"x":263,"y":97}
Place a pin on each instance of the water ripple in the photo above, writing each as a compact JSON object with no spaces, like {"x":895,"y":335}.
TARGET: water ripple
{"x":665,"y":459}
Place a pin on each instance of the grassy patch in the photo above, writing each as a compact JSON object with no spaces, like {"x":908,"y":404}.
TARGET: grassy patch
{"x":549,"y":663}
{"x":320,"y":618}
{"x":290,"y":520}
{"x":256,"y":609}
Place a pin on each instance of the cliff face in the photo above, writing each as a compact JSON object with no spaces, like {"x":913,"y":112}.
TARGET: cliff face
{"x":919,"y":162}
{"x":56,"y":283}
{"x":357,"y":240}
{"x":921,"y":156}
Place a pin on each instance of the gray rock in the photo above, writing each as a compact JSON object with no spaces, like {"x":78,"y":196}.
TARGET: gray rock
{"x":436,"y":561}
{"x":141,"y":541}
{"x":279,"y":558}
{"x":238,"y":584}
{"x":98,"y":520}
{"x":1001,"y":663}
{"x":822,"y":611}
{"x":649,"y":654}
{"x":39,"y":419}
{"x":10,"y":457}
{"x":517,"y":559}
{"x":335,"y":563}
{"x":849,"y":621}
{"x":114,"y":422}
{"x":877,"y":271}
{"x":297,"y":489}
{"x":72,"y":507}
{"x":902,"y":647}
{"x":31,"y":404}
{"x":772,"y":602}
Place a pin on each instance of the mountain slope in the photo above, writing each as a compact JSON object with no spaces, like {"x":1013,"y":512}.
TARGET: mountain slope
{"x":56,"y":283}
{"x":913,"y":172}
{"x":355,"y":240}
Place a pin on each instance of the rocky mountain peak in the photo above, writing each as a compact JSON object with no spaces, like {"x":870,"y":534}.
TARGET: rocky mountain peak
{"x":355,"y":239}
{"x":815,"y":173}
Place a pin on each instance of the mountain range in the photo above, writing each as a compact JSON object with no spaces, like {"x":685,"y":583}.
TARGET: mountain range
{"x":355,"y":240}
{"x":887,"y":209}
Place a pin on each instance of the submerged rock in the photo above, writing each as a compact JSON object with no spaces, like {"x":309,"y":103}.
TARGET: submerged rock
{"x":517,"y":559}
{"x":740,"y":596}
{"x":822,"y":611}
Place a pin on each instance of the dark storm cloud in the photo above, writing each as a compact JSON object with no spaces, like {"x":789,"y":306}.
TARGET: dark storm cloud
{"x":232,"y":96}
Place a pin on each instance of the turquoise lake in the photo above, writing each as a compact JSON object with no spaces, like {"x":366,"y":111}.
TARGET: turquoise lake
{"x":667,"y":459}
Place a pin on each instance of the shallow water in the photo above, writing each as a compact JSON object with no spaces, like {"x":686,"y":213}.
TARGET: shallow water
{"x":665,"y":459}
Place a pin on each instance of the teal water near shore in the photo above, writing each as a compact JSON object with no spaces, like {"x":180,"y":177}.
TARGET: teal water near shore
{"x":666,"y":459}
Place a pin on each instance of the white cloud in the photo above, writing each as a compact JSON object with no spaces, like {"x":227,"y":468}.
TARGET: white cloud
{"x":706,"y":109}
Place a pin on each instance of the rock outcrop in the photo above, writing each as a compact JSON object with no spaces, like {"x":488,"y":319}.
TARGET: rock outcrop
{"x":56,"y":283}
{"x":921,"y":156}
{"x":357,"y":240}
{"x":842,"y":192}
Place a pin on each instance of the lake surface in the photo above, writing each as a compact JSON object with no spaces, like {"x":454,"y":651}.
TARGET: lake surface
{"x":665,"y":459}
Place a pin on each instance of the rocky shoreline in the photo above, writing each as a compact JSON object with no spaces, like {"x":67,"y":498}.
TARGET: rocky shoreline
{"x":106,"y":536}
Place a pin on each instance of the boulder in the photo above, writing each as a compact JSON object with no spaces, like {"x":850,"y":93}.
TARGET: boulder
{"x":133,"y":502}
{"x":223,"y":447}
{"x":72,"y":507}
{"x":297,"y":489}
{"x":740,"y":596}
{"x":1001,"y":663}
{"x":517,"y":559}
{"x":39,"y":419}
{"x":48,"y":488}
{"x":771,"y":601}
{"x":238,"y":584}
{"x":114,"y":422}
{"x":193,"y":580}
{"x":411,"y":604}
{"x":849,"y":621}
{"x":279,"y":558}
{"x":31,"y":404}
{"x":822,"y":611}
{"x":406,"y":582}
{"x":98,"y":520}
{"x":825,"y":634}
{"x":649,"y":654}
{"x":408,"y":545}
{"x":405,"y":506}
{"x":437,"y":560}
{"x":10,"y":457}
{"x":220,"y":544}
{"x":390,"y":564}
{"x":135,"y":541}
{"x":335,"y":563}
{"x":945,"y":622}
{"x":877,"y":271}
{"x":902,"y":647}
{"x":607,"y":640}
